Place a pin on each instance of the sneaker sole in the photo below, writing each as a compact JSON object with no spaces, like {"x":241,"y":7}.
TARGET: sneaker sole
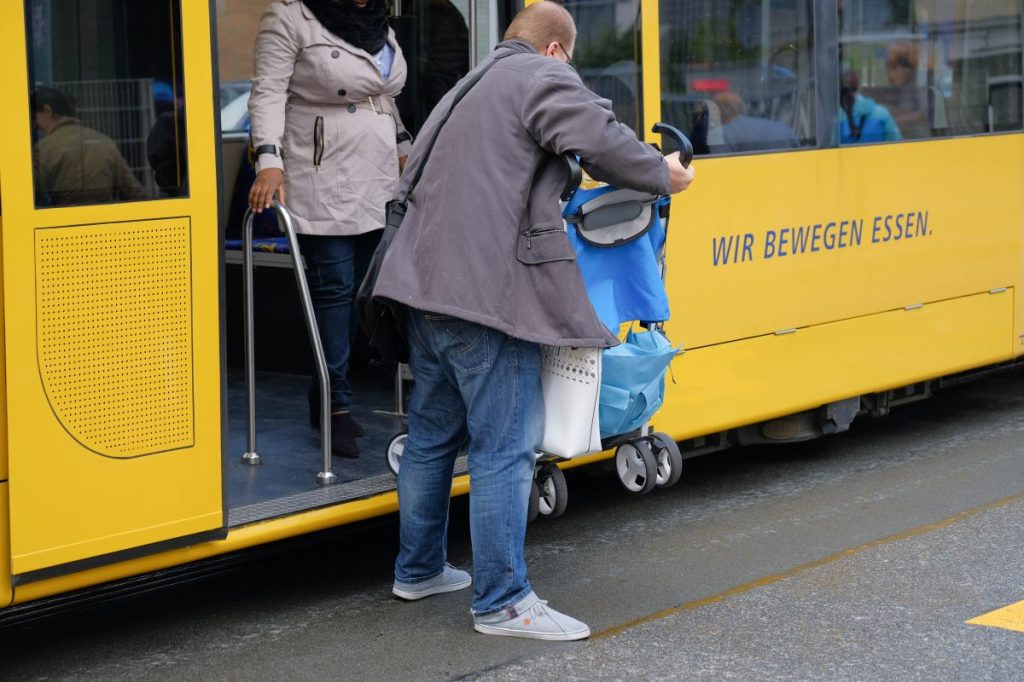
{"x":548,"y":636}
{"x":440,"y":589}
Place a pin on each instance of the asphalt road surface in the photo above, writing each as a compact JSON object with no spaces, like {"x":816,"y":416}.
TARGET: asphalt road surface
{"x":856,"y":556}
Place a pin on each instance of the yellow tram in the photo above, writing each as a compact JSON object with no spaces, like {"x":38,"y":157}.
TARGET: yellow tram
{"x":854,"y":236}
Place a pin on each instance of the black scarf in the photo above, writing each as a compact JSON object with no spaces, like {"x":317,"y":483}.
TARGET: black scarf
{"x":365,"y":27}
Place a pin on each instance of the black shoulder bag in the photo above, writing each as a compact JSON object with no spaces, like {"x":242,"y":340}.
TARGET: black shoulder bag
{"x":383,"y":321}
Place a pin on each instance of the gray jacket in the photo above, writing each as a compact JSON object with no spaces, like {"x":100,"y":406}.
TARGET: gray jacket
{"x":483,"y":239}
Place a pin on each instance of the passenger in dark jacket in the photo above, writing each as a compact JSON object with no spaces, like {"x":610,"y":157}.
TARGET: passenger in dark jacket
{"x":484,"y":265}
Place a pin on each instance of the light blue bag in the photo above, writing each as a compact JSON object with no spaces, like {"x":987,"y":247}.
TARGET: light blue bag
{"x":633,"y":381}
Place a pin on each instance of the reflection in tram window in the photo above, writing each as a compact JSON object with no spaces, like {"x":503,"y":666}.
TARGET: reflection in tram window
{"x":108,"y":104}
{"x":607,"y":54}
{"x":738,"y":75}
{"x":72,"y":163}
{"x":862,"y":119}
{"x":938,"y":68}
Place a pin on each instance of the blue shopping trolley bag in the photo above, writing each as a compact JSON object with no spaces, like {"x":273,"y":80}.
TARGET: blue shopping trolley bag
{"x":619,"y":237}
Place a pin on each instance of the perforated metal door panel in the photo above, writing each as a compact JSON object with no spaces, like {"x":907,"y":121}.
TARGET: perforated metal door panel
{"x":107,"y":457}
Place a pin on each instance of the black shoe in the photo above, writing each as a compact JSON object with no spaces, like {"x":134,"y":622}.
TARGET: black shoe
{"x":343,"y":436}
{"x":314,"y":412}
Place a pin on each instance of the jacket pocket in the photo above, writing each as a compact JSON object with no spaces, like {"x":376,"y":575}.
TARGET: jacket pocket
{"x":318,"y":141}
{"x":536,"y":245}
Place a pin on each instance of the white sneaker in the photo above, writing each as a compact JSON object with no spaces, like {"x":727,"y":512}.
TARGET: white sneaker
{"x":450,"y":579}
{"x":534,"y":619}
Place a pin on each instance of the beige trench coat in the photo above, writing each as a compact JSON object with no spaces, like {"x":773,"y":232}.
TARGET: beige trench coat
{"x":331,"y":116}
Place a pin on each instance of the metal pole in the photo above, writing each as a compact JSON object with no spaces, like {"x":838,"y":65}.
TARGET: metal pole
{"x":472,"y":33}
{"x":250,"y":456}
{"x":399,"y":391}
{"x":326,"y":476}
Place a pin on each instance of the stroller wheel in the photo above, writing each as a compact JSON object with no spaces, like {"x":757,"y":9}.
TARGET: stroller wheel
{"x":553,"y":491}
{"x":636,"y":466}
{"x":669,"y":459}
{"x":534,"y":508}
{"x":396,"y":447}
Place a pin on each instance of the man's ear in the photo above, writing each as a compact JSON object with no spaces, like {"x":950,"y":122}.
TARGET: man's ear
{"x":552,"y":50}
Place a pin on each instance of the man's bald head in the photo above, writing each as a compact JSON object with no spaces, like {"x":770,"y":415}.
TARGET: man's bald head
{"x":543,"y":23}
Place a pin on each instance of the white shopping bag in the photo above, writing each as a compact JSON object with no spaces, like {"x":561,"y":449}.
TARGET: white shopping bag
{"x":571,"y":382}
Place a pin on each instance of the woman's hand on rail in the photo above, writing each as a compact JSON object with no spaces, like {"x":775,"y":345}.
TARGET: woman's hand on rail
{"x":269,"y":181}
{"x":679,"y":178}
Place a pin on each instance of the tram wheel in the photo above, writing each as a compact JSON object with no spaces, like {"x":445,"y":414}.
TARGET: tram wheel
{"x":395,"y":449}
{"x":553,"y":491}
{"x":533,"y":510}
{"x":669,"y":459}
{"x":636,"y":466}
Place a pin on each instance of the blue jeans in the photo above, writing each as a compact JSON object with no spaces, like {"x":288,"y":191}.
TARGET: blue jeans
{"x":479,"y":388}
{"x":334,"y":268}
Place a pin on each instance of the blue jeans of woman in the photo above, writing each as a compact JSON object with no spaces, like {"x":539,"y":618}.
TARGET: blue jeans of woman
{"x":479,"y":389}
{"x":334,"y":268}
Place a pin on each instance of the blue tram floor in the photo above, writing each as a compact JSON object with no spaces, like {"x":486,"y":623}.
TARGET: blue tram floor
{"x":290,"y":447}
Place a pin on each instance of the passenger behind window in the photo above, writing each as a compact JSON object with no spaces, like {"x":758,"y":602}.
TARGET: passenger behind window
{"x":743,"y":133}
{"x":73,"y":163}
{"x":907,"y":102}
{"x":861,"y":119}
{"x":165,"y":146}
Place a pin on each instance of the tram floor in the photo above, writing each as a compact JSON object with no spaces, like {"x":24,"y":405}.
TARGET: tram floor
{"x":289,"y":446}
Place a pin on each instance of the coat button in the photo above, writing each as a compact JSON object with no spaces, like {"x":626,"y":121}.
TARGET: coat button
{"x":335,"y":54}
{"x":351,"y":108}
{"x":342,"y":92}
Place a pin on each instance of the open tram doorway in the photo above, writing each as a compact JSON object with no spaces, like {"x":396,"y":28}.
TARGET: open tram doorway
{"x":440,"y":40}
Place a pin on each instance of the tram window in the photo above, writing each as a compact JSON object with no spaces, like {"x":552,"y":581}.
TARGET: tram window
{"x":607,"y":53}
{"x":928,"y":68}
{"x":107,"y":103}
{"x":738,"y":75}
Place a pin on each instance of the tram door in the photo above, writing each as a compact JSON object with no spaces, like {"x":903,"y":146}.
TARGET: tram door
{"x":110,"y":280}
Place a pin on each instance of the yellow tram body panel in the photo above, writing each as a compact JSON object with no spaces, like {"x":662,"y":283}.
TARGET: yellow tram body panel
{"x":784,"y":307}
{"x":114,"y":407}
{"x":734,"y":384}
{"x":771,"y":242}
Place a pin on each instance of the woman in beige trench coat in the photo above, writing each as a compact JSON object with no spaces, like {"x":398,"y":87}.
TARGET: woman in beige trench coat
{"x":329,"y":144}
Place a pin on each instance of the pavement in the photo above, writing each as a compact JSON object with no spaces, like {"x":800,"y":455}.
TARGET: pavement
{"x":860,"y":555}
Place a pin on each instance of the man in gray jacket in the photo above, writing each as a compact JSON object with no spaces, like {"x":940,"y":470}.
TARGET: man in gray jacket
{"x":488,"y":274}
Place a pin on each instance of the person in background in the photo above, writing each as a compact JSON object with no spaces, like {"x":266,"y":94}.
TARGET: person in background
{"x":165,"y":145}
{"x":486,"y":271}
{"x":72,"y":163}
{"x":329,"y":143}
{"x":861,"y":119}
{"x":744,"y":133}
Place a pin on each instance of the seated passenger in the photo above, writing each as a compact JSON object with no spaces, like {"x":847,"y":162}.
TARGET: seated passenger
{"x":72,"y":163}
{"x":862,"y":119}
{"x":907,"y":102}
{"x":743,"y":133}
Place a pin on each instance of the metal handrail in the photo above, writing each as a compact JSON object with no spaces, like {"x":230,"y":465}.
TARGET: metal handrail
{"x":251,"y":456}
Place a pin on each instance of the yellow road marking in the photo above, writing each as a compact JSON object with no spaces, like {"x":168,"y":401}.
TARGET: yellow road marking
{"x":1009,"y":617}
{"x":841,"y":554}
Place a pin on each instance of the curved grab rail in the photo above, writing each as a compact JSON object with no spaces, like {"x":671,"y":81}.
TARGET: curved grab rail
{"x":326,"y":476}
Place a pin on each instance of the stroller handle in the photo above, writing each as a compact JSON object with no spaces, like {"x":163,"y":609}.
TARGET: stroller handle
{"x":574,"y":173}
{"x":685,"y":148}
